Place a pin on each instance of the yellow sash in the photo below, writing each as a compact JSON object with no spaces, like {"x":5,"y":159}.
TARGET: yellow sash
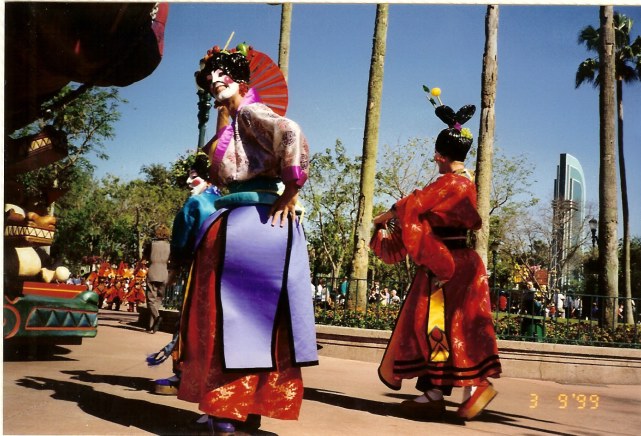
{"x":437,"y":339}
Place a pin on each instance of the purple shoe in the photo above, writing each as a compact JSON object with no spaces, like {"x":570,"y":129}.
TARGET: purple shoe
{"x":167,"y":386}
{"x":220,"y":427}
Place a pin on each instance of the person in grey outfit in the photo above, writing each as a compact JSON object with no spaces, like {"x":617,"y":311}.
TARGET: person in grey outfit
{"x":157,"y":254}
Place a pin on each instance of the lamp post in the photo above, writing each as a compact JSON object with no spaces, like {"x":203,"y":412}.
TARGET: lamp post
{"x":593,"y":226}
{"x":593,"y":223}
{"x":204,"y":106}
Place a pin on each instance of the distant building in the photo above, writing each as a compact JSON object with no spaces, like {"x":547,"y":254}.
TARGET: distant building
{"x":568,"y":212}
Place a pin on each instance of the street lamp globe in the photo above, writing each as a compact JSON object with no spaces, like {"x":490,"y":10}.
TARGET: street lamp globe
{"x":494,"y":247}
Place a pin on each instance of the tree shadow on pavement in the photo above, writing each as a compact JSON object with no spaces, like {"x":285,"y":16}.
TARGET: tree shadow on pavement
{"x":339,"y":399}
{"x":35,"y":351}
{"x":145,"y":415}
{"x":134,"y":327}
{"x":132,"y":383}
{"x":371,"y":406}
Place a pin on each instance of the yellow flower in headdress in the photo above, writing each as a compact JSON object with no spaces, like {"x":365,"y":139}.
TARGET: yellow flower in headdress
{"x":436,"y":92}
{"x":466,"y":133}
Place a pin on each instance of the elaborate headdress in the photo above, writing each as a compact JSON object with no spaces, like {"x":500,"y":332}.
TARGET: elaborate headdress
{"x":246,"y":65}
{"x":104,"y":270}
{"x":140,"y":271}
{"x":233,"y":63}
{"x":455,"y":141}
{"x":124,"y":271}
{"x":200,"y":165}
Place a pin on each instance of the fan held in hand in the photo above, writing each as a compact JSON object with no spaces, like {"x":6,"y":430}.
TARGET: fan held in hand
{"x":387,"y":243}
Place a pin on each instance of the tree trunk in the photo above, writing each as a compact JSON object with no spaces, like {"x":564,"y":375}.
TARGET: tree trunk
{"x":285,"y":32}
{"x":608,"y":208}
{"x":138,"y":238}
{"x":485,"y":153}
{"x":368,"y":169}
{"x":625,"y":257}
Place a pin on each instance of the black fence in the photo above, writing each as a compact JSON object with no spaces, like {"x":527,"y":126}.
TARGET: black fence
{"x":571,"y":318}
{"x":335,"y":291}
{"x":174,"y":294}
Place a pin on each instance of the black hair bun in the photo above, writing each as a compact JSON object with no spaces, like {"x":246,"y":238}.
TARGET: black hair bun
{"x":201,"y":165}
{"x":447,"y":115}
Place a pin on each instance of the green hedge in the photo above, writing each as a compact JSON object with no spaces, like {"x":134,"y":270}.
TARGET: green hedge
{"x":578,"y":332}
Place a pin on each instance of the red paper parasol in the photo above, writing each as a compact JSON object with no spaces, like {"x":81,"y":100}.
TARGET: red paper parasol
{"x":387,"y":243}
{"x":268,"y":80}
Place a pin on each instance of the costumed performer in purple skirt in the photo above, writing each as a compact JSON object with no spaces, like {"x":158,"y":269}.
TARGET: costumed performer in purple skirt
{"x":247,"y":326}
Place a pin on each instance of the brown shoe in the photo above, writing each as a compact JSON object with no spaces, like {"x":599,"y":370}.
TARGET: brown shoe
{"x":431,"y":410}
{"x":477,"y":402}
{"x":156,"y":324}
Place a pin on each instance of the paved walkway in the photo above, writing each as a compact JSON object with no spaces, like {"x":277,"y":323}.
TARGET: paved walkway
{"x":102,"y":388}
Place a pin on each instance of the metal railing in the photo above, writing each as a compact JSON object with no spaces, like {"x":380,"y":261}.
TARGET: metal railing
{"x":174,"y":294}
{"x":517,"y":315}
{"x":577,"y":321}
{"x":572,"y":318}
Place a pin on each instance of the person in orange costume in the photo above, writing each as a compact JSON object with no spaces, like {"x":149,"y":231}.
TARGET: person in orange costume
{"x":136,"y":294}
{"x":444,"y":334}
{"x":100,"y":287}
{"x":116,"y":294}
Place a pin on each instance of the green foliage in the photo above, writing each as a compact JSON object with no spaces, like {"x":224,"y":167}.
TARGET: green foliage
{"x":572,"y":331}
{"x":112,"y":219}
{"x":87,"y":121}
{"x":635,"y":266}
{"x":401,"y":169}
{"x":330,"y":197}
{"x":506,"y":327}
{"x":377,"y":318}
{"x":180,"y":168}
{"x":405,"y":168}
{"x":157,"y":174}
{"x":627,"y":55}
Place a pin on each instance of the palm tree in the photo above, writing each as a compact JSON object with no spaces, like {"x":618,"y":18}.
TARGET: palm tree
{"x":368,"y":169}
{"x":285,"y":32}
{"x":627,"y":59}
{"x":608,"y":212}
{"x":486,"y":130}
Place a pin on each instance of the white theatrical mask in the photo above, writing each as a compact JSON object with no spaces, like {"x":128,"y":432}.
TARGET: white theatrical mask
{"x":197,"y":184}
{"x":223,"y":87}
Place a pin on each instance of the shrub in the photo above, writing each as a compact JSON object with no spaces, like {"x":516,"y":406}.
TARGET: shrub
{"x":507,"y":327}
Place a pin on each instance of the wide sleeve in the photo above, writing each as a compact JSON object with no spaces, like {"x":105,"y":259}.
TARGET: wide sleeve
{"x":183,"y":228}
{"x":448,"y":202}
{"x":287,"y":141}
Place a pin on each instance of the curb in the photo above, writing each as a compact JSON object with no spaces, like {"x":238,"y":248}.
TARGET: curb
{"x":574,"y":364}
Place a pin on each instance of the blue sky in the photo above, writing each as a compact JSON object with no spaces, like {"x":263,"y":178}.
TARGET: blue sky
{"x":539,"y":113}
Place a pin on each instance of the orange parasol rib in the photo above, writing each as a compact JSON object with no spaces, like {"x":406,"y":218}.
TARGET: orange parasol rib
{"x":268,"y":80}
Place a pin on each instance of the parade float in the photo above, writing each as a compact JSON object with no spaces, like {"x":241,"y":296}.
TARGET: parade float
{"x":48,"y":46}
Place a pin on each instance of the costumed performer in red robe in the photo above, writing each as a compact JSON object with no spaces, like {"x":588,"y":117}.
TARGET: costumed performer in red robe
{"x":444,"y":334}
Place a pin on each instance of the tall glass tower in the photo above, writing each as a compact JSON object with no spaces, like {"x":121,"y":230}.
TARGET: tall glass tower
{"x":568,"y":212}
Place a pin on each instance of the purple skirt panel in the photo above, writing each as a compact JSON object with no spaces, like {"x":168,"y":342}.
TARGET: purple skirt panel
{"x":265,"y":274}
